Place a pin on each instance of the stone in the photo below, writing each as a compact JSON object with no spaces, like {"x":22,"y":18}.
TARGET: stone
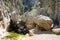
{"x":56,"y":30}
{"x":43,"y":22}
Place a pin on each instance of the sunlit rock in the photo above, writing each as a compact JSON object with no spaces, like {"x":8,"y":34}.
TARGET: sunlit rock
{"x":43,"y":22}
{"x":56,"y":30}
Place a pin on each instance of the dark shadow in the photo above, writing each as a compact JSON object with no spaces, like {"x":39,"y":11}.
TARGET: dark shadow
{"x":42,"y":32}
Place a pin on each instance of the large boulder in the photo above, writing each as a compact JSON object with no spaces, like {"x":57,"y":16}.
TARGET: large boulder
{"x":43,"y":22}
{"x":29,"y":16}
{"x":40,"y":20}
{"x":34,"y":17}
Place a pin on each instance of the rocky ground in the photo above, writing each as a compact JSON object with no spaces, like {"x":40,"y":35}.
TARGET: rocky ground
{"x":37,"y":35}
{"x":44,"y":35}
